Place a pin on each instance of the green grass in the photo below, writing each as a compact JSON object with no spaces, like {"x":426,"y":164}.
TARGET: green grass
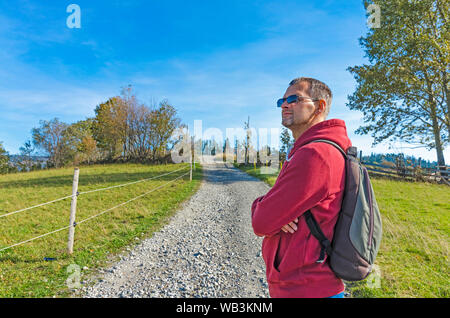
{"x":413,"y":260}
{"x":256,"y":172}
{"x":23,"y":270}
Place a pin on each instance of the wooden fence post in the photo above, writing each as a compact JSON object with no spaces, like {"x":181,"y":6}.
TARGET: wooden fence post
{"x":190,"y":173}
{"x":73,"y":208}
{"x":190,"y":156}
{"x":193,"y":149}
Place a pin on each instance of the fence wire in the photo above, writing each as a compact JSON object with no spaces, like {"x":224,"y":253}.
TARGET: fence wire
{"x":35,"y":206}
{"x":94,"y":216}
{"x":130,"y":183}
{"x":90,"y":191}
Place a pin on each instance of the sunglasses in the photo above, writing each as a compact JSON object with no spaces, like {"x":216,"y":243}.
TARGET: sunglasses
{"x":294,"y":98}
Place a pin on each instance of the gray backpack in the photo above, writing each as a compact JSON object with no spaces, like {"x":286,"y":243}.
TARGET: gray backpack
{"x":357,"y":234}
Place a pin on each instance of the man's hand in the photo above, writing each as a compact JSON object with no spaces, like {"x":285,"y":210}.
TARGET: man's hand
{"x":291,"y":227}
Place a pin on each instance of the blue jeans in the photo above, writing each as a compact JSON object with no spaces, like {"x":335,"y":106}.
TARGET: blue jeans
{"x":340,"y":295}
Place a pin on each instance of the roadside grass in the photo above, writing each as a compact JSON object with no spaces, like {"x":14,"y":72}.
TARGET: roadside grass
{"x":23,"y":270}
{"x":413,"y":260}
{"x":256,"y":172}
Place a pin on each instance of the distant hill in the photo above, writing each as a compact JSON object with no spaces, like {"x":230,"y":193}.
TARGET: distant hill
{"x":16,"y":158}
{"x":392,"y":158}
{"x":17,"y":161}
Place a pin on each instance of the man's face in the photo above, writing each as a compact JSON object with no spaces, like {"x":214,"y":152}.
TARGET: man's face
{"x":297,"y":114}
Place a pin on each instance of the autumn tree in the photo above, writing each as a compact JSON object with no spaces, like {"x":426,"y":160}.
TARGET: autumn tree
{"x":108,"y":127}
{"x":88,"y":149}
{"x":139,"y":131}
{"x":163,"y":122}
{"x":124,"y":127}
{"x":127,"y":109}
{"x":403,"y":91}
{"x":50,"y":137}
{"x":83,"y":147}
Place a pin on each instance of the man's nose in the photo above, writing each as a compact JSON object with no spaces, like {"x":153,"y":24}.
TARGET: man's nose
{"x":285,"y":105}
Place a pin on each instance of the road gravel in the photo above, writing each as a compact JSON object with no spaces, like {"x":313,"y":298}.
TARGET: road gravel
{"x":208,"y":249}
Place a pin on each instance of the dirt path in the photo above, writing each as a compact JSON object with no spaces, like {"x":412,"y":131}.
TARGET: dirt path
{"x":207,"y":250}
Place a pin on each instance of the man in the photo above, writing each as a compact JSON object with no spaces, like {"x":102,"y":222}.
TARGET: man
{"x":312,"y":178}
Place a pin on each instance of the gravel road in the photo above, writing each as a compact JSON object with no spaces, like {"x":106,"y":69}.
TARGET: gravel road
{"x":207,"y":250}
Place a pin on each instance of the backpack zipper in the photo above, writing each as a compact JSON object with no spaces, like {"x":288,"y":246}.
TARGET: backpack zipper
{"x":370,"y":208}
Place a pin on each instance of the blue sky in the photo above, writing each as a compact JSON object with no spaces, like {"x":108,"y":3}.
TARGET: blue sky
{"x":215,"y":61}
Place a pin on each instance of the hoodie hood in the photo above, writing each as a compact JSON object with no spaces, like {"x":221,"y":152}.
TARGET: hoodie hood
{"x":332,"y":129}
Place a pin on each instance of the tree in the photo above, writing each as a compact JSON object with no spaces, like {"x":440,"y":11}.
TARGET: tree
{"x":88,"y":147}
{"x":127,"y":109}
{"x":139,"y":131}
{"x":50,"y":137}
{"x":227,"y":151}
{"x":83,"y":147}
{"x":403,"y":92}
{"x":124,"y":127}
{"x":4,"y":160}
{"x":286,"y":142}
{"x":64,"y":143}
{"x":109,"y":127}
{"x":26,"y":160}
{"x":247,"y":140}
{"x":163,"y":122}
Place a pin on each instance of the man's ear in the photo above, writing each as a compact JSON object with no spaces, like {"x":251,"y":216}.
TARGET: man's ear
{"x":322,"y":107}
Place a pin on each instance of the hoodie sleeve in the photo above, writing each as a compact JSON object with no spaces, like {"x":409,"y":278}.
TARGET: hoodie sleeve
{"x":301,"y":187}
{"x":255,"y":203}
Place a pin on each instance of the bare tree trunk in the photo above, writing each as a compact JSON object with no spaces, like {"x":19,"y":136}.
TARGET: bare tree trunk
{"x":437,"y":136}
{"x":447,"y":116}
{"x":436,"y":128}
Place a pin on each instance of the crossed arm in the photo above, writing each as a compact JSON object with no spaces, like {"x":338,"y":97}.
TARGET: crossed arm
{"x":298,"y":189}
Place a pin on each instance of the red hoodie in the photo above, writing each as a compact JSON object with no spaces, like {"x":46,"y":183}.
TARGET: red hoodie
{"x":313,"y":179}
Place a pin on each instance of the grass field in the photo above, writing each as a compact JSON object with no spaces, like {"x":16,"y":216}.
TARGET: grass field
{"x":23,"y":270}
{"x":413,"y":260}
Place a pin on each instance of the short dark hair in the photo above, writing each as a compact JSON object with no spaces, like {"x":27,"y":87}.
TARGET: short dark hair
{"x":316,"y":89}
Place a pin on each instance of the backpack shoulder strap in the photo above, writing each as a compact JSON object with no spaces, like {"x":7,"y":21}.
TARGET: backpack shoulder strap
{"x":333,"y":144}
{"x":318,"y":234}
{"x":313,"y":226}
